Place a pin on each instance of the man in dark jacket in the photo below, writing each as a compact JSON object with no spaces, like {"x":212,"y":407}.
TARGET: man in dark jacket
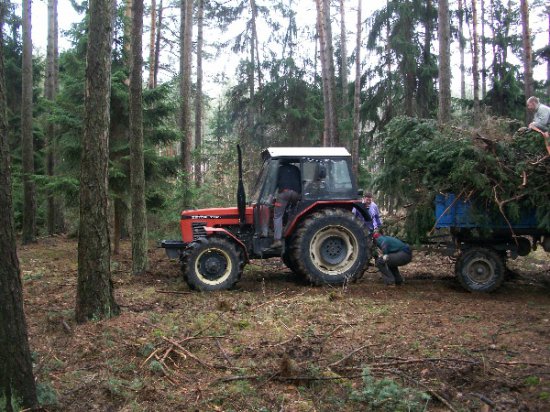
{"x":395,"y":253}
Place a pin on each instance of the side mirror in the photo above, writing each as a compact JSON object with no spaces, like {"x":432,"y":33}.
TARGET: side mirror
{"x":360,"y":192}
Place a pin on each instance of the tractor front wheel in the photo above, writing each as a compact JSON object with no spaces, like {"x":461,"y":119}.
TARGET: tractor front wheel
{"x":211,"y":264}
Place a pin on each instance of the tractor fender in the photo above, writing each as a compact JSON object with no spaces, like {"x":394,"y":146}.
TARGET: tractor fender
{"x":345,"y":204}
{"x":210,"y":231}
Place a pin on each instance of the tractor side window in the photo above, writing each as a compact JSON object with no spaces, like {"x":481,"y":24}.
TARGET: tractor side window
{"x":340,"y":176}
{"x":326,"y":179}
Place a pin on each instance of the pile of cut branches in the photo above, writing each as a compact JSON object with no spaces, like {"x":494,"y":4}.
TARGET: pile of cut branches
{"x":505,"y":173}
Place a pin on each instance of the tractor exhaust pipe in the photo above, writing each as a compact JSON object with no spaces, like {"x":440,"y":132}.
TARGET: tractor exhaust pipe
{"x":241,"y":196}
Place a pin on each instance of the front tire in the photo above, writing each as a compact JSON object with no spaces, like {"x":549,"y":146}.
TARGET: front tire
{"x":480,"y":270}
{"x":330,"y":247}
{"x":211,"y":264}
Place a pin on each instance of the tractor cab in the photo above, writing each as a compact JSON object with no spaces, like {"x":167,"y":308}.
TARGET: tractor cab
{"x":325,"y":177}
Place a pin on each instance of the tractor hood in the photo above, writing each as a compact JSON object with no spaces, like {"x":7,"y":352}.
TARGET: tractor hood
{"x":194,"y":223}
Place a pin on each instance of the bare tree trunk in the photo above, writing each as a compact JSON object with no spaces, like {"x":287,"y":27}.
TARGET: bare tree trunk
{"x":137,"y":171}
{"x":527,"y":55}
{"x":198,"y":98}
{"x":255,"y":43}
{"x":185,"y":95}
{"x":462,"y":46}
{"x":483,"y":52}
{"x":548,"y":61}
{"x":16,"y":378}
{"x":475,"y":64}
{"x":94,"y":297}
{"x":425,"y":91}
{"x":27,"y":146}
{"x":252,"y":70}
{"x":343,"y":57}
{"x":152,"y":53}
{"x":389,"y":72}
{"x":444,"y":34}
{"x":327,"y":67}
{"x":118,"y":224}
{"x":356,"y":96}
{"x":157,"y":42}
{"x":55,"y":215}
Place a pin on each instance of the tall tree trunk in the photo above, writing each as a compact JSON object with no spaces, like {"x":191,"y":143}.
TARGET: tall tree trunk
{"x":444,"y":34}
{"x":356,"y":96}
{"x":425,"y":95}
{"x":55,"y":215}
{"x":27,"y":146}
{"x":256,"y":44}
{"x":185,"y":95}
{"x":152,"y":38}
{"x":119,"y":214}
{"x":343,"y":58}
{"x":548,"y":61}
{"x":157,"y":42}
{"x":389,"y":73}
{"x":198,"y":98}
{"x":94,"y":297}
{"x":252,"y":70}
{"x":327,"y":68}
{"x":461,"y":46}
{"x":527,"y":55}
{"x":475,"y":64}
{"x":483,"y":53}
{"x":137,"y":172}
{"x":16,"y":377}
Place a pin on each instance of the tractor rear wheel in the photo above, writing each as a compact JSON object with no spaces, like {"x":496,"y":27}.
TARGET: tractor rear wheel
{"x":210,"y":264}
{"x":330,"y":247}
{"x":480,"y":269}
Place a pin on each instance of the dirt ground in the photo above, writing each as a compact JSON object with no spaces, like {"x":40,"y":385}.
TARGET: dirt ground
{"x":277,"y":344}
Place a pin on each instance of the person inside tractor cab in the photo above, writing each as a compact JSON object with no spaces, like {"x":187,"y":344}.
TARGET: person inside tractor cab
{"x":289,"y":189}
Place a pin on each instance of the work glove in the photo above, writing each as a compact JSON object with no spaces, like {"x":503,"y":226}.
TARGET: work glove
{"x":385,"y":258}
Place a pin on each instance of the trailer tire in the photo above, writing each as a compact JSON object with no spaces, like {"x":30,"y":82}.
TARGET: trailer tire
{"x":480,"y":270}
{"x":330,"y":247}
{"x":211,"y":264}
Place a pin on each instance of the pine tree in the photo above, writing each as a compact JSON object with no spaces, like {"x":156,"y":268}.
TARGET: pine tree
{"x":137,"y":173}
{"x":186,"y":52}
{"x":95,"y":298}
{"x":17,"y":385}
{"x":29,"y":206}
{"x":444,"y":34}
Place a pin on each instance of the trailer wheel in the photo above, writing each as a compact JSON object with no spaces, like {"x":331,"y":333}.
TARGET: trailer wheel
{"x":330,"y":247}
{"x":211,"y":264}
{"x":480,"y":270}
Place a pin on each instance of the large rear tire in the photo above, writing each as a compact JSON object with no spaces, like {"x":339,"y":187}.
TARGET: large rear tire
{"x":480,"y":270}
{"x":211,"y":264}
{"x":330,"y":247}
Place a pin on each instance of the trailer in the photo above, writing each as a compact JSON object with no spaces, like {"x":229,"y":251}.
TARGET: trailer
{"x":483,"y":240}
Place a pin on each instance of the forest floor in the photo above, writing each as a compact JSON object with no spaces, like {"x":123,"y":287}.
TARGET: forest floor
{"x":276,"y":344}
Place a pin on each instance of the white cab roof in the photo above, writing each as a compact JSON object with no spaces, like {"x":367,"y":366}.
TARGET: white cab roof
{"x":307,"y":151}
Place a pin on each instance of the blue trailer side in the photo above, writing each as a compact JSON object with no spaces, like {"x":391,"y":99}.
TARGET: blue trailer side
{"x":484,"y":240}
{"x":451,"y":212}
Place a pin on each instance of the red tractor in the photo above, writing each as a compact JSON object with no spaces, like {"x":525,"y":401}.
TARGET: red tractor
{"x":325,"y":239}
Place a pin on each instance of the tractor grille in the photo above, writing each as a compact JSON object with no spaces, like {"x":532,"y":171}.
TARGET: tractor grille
{"x":198,"y":230}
